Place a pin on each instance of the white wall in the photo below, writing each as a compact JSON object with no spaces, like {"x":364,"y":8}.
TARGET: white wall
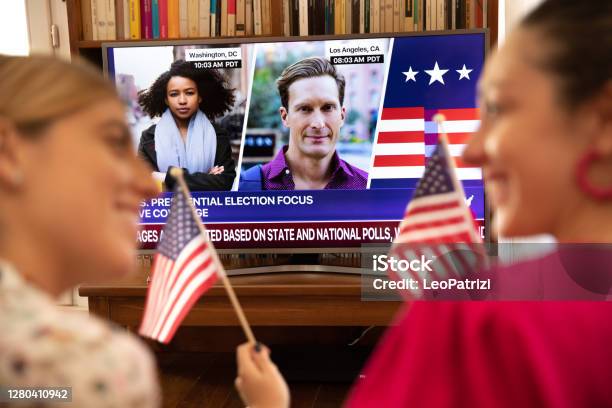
{"x":14,"y":39}
{"x":41,"y":15}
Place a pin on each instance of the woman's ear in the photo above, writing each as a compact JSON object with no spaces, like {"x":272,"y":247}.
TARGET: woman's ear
{"x":10,"y":170}
{"x":601,"y":108}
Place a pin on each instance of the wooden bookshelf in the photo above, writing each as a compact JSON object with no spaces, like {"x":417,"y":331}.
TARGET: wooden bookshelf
{"x":91,"y":50}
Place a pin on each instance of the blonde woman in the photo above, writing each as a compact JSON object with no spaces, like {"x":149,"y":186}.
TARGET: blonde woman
{"x":70,"y":187}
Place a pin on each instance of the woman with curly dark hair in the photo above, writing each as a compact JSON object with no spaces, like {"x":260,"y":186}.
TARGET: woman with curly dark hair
{"x":187,"y":101}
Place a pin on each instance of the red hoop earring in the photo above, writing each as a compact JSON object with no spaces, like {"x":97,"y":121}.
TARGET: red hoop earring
{"x":582,"y":178}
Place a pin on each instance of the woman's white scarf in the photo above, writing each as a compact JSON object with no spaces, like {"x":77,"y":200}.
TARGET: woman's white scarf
{"x":196,"y":154}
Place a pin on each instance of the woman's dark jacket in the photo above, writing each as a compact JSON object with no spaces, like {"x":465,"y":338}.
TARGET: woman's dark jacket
{"x":195,"y":181}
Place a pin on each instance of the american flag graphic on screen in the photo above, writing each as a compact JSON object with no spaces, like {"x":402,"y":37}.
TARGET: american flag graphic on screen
{"x":438,"y":223}
{"x":183,"y":269}
{"x":427,"y":75}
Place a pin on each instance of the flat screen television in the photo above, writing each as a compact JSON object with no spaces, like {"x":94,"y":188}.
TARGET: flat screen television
{"x":314,"y":170}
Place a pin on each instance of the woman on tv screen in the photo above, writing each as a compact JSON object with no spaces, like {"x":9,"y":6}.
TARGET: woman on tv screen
{"x":187,"y":101}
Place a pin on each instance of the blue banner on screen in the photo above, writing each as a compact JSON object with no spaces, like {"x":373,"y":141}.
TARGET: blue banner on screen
{"x":289,"y":206}
{"x":280,"y":159}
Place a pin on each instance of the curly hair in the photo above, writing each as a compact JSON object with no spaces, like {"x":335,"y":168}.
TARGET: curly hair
{"x":213,"y":88}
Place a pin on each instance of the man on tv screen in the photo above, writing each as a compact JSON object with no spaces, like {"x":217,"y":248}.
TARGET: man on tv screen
{"x":312,"y":98}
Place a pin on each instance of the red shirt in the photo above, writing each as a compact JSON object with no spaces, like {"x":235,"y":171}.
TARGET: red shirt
{"x":492,"y":354}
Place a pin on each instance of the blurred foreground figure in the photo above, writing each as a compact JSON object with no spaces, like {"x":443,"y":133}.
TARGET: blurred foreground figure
{"x":545,"y":147}
{"x":70,"y":187}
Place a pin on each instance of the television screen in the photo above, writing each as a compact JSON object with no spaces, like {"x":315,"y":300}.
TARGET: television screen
{"x":299,"y":144}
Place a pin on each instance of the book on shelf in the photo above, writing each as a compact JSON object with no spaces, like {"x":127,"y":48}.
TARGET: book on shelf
{"x":126,"y":20}
{"x":361,"y":4}
{"x":98,"y":16}
{"x":265,"y":17}
{"x":398,"y":15}
{"x":218,"y":18}
{"x":213,"y":18}
{"x":257,"y":17}
{"x":183,"y":19}
{"x":155,"y":19}
{"x":374,"y":16}
{"x":309,"y":11}
{"x":120,"y":27}
{"x":146,"y":20}
{"x":223,"y":12}
{"x":193,"y":18}
{"x":286,"y":19}
{"x":204,"y":23}
{"x":163,"y":19}
{"x":173,"y":19}
{"x":248,"y":17}
{"x":347,"y":16}
{"x":337,"y":14}
{"x":389,"y":16}
{"x":440,"y":16}
{"x":111,"y":29}
{"x":367,"y":18}
{"x":134,"y":11}
{"x":240,"y":18}
{"x":231,"y":18}
{"x":103,"y":20}
{"x":86,"y":20}
{"x":408,"y":15}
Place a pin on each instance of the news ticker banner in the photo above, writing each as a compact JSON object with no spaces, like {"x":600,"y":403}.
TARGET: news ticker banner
{"x":518,"y":272}
{"x":293,"y":219}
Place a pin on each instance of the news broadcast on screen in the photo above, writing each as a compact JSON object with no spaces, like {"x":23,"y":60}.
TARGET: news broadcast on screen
{"x":356,"y":111}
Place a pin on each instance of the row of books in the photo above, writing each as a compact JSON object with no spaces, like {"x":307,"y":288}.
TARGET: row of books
{"x":164,"y":19}
{"x":160,"y":19}
{"x":313,"y":17}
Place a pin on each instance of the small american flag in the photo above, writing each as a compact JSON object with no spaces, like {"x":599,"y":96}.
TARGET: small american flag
{"x":183,"y":269}
{"x":438,"y":223}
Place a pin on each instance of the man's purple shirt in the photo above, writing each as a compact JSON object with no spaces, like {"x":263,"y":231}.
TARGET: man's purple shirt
{"x":276,"y":174}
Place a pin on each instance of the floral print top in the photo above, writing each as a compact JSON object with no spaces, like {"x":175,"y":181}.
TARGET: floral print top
{"x":42,"y":345}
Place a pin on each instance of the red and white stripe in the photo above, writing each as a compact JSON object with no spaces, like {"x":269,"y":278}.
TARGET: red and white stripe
{"x":436,"y":219}
{"x":399,"y":151}
{"x":459,"y":126}
{"x":176,"y":286}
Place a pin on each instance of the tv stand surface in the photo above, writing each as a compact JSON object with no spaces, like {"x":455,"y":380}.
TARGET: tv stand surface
{"x":282,"y":295}
{"x":295,"y":268}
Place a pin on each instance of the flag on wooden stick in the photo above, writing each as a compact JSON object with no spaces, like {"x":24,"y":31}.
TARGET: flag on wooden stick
{"x":183,"y":269}
{"x":439,"y":225}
